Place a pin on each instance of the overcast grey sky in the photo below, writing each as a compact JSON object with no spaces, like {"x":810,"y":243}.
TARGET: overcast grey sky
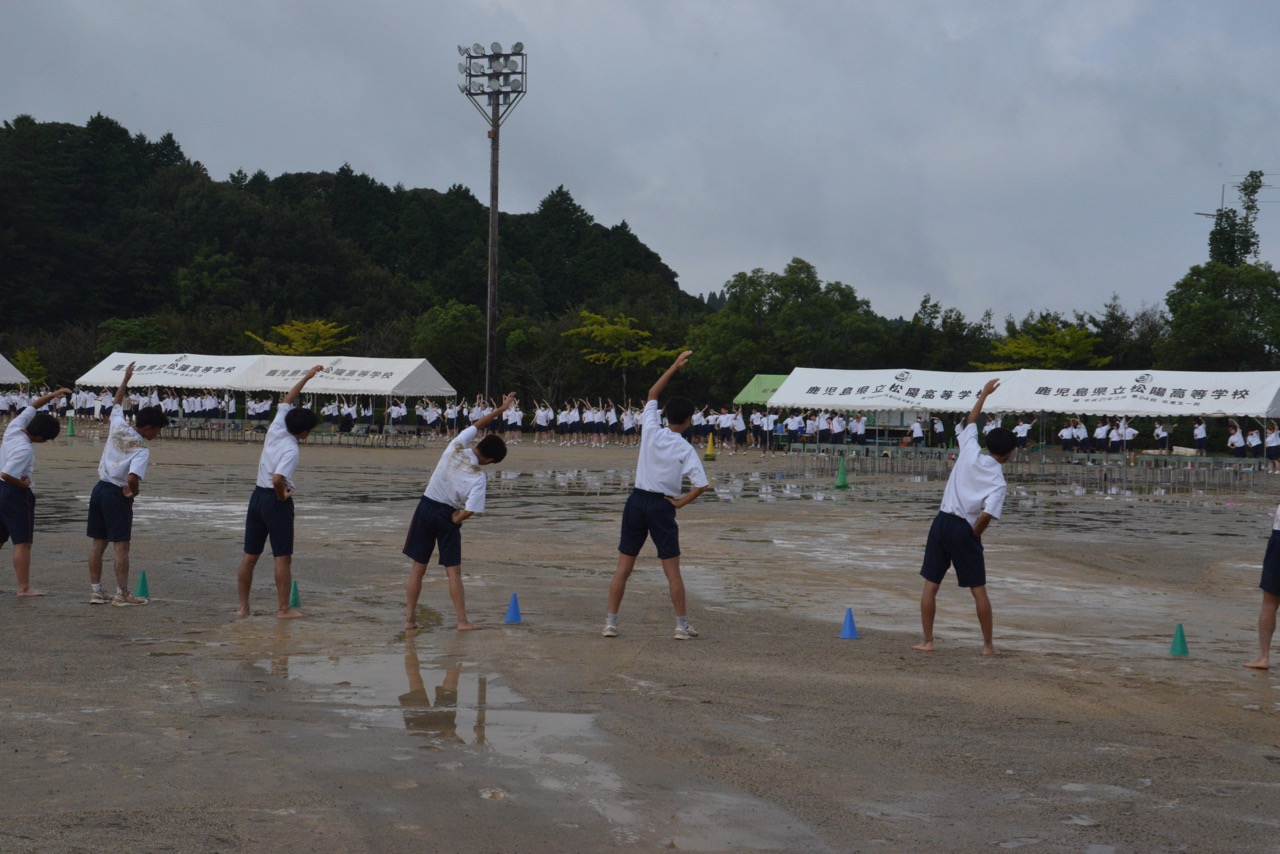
{"x":1013,"y":155}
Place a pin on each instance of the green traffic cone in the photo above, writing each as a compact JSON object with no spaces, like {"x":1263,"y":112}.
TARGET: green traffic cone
{"x":71,"y":426}
{"x":842,"y":481}
{"x":142,"y":591}
{"x":1179,"y":646}
{"x":295,"y":600}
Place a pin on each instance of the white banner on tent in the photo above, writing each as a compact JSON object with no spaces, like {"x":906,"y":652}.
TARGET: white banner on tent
{"x":343,"y":374}
{"x":1253,"y":394}
{"x":880,"y":390}
{"x":347,"y":375}
{"x":170,"y":370}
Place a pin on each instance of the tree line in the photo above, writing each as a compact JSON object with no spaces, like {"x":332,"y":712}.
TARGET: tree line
{"x":111,"y":241}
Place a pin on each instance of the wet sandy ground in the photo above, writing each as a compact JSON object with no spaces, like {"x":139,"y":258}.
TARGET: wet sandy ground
{"x":180,"y":727}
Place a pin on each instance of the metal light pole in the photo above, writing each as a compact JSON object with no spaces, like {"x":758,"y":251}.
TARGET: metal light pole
{"x":495,"y":83}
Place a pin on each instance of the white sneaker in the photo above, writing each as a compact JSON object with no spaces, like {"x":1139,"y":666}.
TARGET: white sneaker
{"x":609,"y":632}
{"x":688,"y":633}
{"x":99,"y":597}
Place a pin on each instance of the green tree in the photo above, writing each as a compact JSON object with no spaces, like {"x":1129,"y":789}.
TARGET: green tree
{"x":28,"y":362}
{"x":134,"y":335}
{"x":452,"y":338}
{"x":1233,"y":239}
{"x":1129,"y":339}
{"x":1223,"y":318}
{"x":617,"y":343}
{"x":305,"y":338}
{"x":1046,"y":340}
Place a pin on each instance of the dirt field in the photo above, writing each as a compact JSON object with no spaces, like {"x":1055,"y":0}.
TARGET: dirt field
{"x":178,"y":727}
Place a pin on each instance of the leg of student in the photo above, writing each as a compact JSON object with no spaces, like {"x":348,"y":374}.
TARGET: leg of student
{"x":97,"y":549}
{"x":412,"y":591}
{"x":983,"y":604}
{"x":675,"y":583}
{"x":22,"y":569}
{"x":618,"y":586}
{"x":284,"y":583}
{"x":459,"y":597}
{"x":244,"y":580}
{"x":1266,"y":629}
{"x":121,"y":566}
{"x":928,"y":608}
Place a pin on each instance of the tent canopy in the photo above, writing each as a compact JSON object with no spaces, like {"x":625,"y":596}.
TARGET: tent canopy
{"x":760,"y":389}
{"x":9,"y":375}
{"x":343,"y":374}
{"x":1253,"y":394}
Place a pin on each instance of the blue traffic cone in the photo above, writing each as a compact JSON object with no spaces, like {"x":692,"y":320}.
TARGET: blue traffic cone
{"x":513,"y":610}
{"x":850,"y":631}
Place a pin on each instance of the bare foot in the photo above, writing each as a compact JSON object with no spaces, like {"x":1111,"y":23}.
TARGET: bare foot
{"x":469,"y":627}
{"x":243,"y":611}
{"x":989,"y":650}
{"x":1259,"y":664}
{"x":926,"y":646}
{"x":410,"y":626}
{"x":31,"y":592}
{"x":289,"y":614}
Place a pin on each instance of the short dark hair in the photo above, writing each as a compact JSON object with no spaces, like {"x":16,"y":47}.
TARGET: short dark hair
{"x":1001,"y":441}
{"x":299,"y":421}
{"x":151,"y":416}
{"x":43,"y":426}
{"x":492,"y":448}
{"x":679,"y":410}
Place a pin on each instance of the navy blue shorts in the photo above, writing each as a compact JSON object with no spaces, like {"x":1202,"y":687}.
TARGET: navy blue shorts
{"x":431,"y":526}
{"x":17,"y":514}
{"x":649,"y":514}
{"x":1271,"y":566}
{"x":951,"y":542}
{"x":110,"y":513}
{"x":268,"y":518}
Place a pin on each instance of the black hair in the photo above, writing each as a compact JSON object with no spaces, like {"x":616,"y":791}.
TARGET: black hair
{"x":492,"y":448}
{"x":679,"y":410}
{"x":43,"y":426}
{"x":151,"y":416}
{"x":1001,"y":441}
{"x":299,"y":421}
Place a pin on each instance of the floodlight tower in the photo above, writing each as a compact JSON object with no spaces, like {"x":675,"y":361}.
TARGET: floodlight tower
{"x":495,"y":83}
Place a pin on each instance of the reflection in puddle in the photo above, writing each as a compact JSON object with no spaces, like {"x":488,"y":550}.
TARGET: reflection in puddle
{"x":445,"y":706}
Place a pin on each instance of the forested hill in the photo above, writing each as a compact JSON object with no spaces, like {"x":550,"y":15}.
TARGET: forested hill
{"x":100,"y":224}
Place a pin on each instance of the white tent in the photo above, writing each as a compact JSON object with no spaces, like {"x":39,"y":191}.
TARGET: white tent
{"x":343,"y":374}
{"x":9,"y":375}
{"x":1135,"y":393}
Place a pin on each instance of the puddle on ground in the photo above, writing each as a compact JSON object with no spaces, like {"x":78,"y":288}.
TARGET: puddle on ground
{"x":453,"y":706}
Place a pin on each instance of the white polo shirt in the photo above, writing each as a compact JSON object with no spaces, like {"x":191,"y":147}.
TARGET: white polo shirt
{"x":125,"y":453}
{"x":17,"y":456}
{"x":976,"y":484}
{"x":458,"y":480}
{"x":665,"y":457}
{"x":279,"y":451}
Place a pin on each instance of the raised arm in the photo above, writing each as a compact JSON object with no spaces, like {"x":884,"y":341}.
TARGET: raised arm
{"x":293,"y":393}
{"x":123,"y":389}
{"x":507,"y":400}
{"x":991,"y":386}
{"x":45,"y":398}
{"x":656,"y":391}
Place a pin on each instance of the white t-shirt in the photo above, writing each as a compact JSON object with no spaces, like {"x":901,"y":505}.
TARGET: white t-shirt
{"x":665,"y":457}
{"x":17,"y":456}
{"x":279,"y":451}
{"x":457,"y":480}
{"x":976,"y":484}
{"x":125,"y":453}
